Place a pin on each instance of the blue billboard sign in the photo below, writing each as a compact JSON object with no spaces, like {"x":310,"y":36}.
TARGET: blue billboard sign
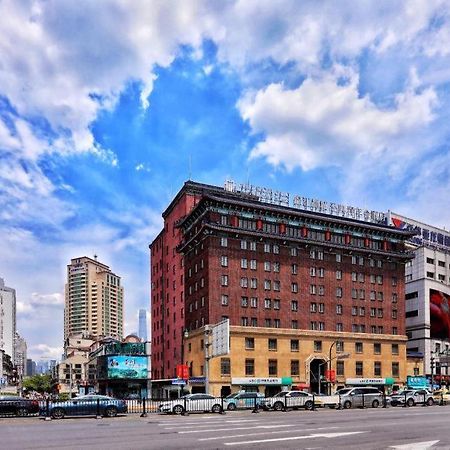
{"x":121,"y":367}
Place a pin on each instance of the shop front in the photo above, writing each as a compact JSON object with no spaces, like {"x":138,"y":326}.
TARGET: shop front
{"x":267,"y":386}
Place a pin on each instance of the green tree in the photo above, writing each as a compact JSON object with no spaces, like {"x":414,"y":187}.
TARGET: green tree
{"x":38,"y":383}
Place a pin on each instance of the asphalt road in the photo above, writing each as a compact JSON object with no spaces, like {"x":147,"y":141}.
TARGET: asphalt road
{"x":403,"y":428}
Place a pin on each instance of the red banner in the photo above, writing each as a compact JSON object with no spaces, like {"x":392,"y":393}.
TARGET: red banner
{"x":182,"y":371}
{"x":330,"y":375}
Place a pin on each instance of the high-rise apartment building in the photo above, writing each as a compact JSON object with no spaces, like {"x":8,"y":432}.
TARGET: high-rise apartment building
{"x":20,"y":360}
{"x":93,"y":300}
{"x":7,"y":319}
{"x":427,"y":294}
{"x":143,"y":325}
{"x":298,"y":280}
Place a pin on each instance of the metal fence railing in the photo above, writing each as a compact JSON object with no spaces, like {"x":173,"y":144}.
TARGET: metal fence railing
{"x":112,"y":407}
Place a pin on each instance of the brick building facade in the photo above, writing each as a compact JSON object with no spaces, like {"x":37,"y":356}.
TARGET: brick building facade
{"x":274,"y":267}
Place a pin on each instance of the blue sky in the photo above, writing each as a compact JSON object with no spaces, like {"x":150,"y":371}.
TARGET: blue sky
{"x":107,"y":108}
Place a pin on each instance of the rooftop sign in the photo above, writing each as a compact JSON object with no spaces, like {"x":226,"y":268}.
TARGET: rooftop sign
{"x":275,"y":197}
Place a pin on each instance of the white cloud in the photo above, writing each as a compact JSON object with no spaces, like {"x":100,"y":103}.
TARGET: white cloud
{"x":323,"y":123}
{"x":45,"y":352}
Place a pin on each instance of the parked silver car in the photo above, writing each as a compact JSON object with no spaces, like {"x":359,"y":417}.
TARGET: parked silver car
{"x":360,"y":396}
{"x":412,"y":397}
{"x":193,"y":403}
{"x":289,"y":399}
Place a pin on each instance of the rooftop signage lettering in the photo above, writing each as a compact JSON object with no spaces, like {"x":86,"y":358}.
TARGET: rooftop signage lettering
{"x":280,"y":198}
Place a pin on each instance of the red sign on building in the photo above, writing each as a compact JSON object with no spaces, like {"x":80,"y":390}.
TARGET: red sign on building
{"x":330,"y":375}
{"x":182,"y":371}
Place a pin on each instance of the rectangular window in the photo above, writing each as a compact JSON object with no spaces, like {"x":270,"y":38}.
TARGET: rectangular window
{"x":273,"y":368}
{"x":293,"y":251}
{"x":339,"y":346}
{"x":267,"y":266}
{"x":243,"y":245}
{"x":394,"y":297}
{"x":338,"y":257}
{"x":339,"y":309}
{"x":394,"y":314}
{"x":379,"y":279}
{"x":244,"y":282}
{"x":413,"y":313}
{"x":377,"y":348}
{"x":362,"y":311}
{"x":267,"y":285}
{"x":244,"y":302}
{"x":244,"y":263}
{"x":249,"y":367}
{"x":358,"y":347}
{"x":320,"y":272}
{"x":373,"y":312}
{"x":312,"y":271}
{"x":253,"y":246}
{"x":430,"y":261}
{"x":253,"y":302}
{"x":321,"y":308}
{"x":224,"y":280}
{"x":321,"y":290}
{"x":340,"y":372}
{"x":224,"y":300}
{"x":395,"y":369}
{"x":313,"y":325}
{"x":254,"y":322}
{"x":253,"y":264}
{"x":244,"y":321}
{"x":254,"y":283}
{"x":295,"y":367}
{"x":267,"y":323}
{"x":276,"y":249}
{"x":294,"y":324}
{"x":276,"y":304}
{"x":395,"y":349}
{"x":295,"y":345}
{"x":276,"y":267}
{"x":354,"y":276}
{"x":338,"y":292}
{"x":313,"y":307}
{"x":266,"y":248}
{"x":294,"y":268}
{"x":339,"y":327}
{"x":272,"y":344}
{"x":354,"y":293}
{"x":267,"y":303}
{"x":354,"y":310}
{"x":223,"y":242}
{"x":294,"y":287}
{"x":373,"y":295}
{"x":276,"y":285}
{"x":380,"y":313}
{"x":338,"y":274}
{"x":276,"y":323}
{"x":312,"y":289}
{"x":249,"y":343}
{"x":317,"y":346}
{"x":224,"y":261}
{"x":394,"y":281}
{"x":394,"y":330}
{"x":380,"y":296}
{"x":359,"y":368}
{"x":377,"y":369}
{"x":294,"y":305}
{"x":225,"y":366}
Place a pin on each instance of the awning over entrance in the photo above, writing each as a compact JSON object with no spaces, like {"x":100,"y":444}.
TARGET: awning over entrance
{"x":248,"y":381}
{"x":370,"y":381}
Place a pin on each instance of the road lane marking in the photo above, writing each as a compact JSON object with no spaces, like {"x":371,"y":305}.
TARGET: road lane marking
{"x":203,"y":424}
{"x":415,"y":445}
{"x":238,"y":428}
{"x":296,"y":438}
{"x":264,"y":433}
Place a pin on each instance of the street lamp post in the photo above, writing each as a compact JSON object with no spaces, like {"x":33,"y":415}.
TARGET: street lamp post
{"x":329,"y":366}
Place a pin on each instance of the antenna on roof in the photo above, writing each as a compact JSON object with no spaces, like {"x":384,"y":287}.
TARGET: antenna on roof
{"x":95,"y":256}
{"x":190,"y":166}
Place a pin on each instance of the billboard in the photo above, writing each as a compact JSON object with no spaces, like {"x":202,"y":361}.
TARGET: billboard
{"x":439,"y":315}
{"x":127,"y":367}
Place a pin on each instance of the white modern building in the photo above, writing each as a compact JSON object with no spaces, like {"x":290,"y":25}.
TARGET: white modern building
{"x":427,"y":293}
{"x":7,"y":319}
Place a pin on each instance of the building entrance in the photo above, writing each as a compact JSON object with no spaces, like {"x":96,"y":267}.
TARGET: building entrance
{"x":316,"y":376}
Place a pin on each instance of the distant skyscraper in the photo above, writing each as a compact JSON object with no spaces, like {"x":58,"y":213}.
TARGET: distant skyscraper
{"x":93,"y":300}
{"x":20,"y":360}
{"x":143,"y":324}
{"x":7,"y":319}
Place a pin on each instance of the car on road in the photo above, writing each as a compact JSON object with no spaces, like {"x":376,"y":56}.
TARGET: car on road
{"x":18,"y":406}
{"x":289,"y":400}
{"x":244,"y":400}
{"x":412,"y":397}
{"x":360,"y":396}
{"x":88,"y":405}
{"x":193,"y":403}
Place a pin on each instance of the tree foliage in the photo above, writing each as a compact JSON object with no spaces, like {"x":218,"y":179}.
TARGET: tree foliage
{"x":38,"y":383}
